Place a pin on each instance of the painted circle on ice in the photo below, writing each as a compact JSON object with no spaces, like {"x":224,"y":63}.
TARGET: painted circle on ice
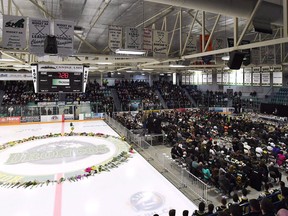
{"x":44,"y":156}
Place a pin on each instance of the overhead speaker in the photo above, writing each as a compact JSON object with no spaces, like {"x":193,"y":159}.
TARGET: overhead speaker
{"x":262,"y":27}
{"x":50,"y":45}
{"x":235,"y":60}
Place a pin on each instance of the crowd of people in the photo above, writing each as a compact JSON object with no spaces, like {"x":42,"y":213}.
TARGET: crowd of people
{"x":137,"y":94}
{"x":250,"y":153}
{"x":173,"y":95}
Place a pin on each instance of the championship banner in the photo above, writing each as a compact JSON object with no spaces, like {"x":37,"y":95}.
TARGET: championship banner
{"x":247,"y":77}
{"x":256,"y":78}
{"x":114,"y":38}
{"x":277,"y":78}
{"x":225,"y":77}
{"x":192,"y":79}
{"x":38,"y":31}
{"x":187,"y":79}
{"x":191,"y":47}
{"x":183,"y":79}
{"x":133,"y":38}
{"x":209,"y":78}
{"x":14,"y":31}
{"x":265,"y":78}
{"x":232,"y":77}
{"x":64,"y":32}
{"x":239,"y":77}
{"x":204,"y":78}
{"x":147,"y":39}
{"x":219,"y":77}
{"x":160,"y":44}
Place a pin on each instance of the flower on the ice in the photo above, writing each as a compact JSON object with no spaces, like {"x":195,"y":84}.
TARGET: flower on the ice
{"x":88,"y":169}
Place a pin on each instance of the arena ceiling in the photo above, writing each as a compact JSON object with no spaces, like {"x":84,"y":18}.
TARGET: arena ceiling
{"x":220,"y":19}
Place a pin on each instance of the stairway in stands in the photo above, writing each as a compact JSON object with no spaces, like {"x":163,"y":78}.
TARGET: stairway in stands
{"x":189,"y":97}
{"x":116,"y":99}
{"x":161,"y":99}
{"x":1,"y":96}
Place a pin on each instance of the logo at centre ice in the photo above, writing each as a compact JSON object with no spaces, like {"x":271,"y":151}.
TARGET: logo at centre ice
{"x":146,"y":201}
{"x":57,"y":152}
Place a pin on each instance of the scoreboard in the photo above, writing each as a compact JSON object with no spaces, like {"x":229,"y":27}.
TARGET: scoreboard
{"x":59,"y":78}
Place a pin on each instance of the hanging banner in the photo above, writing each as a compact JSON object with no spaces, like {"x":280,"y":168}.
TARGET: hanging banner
{"x":147,"y":39}
{"x":247,"y":78}
{"x":160,"y":44}
{"x":239,"y":77}
{"x":209,"y":77}
{"x":38,"y":31}
{"x":266,"y":79}
{"x":232,"y":77}
{"x":219,"y":78}
{"x":277,"y":78}
{"x":256,"y":79}
{"x":204,"y":78}
{"x":187,"y":79}
{"x":114,"y":38}
{"x":191,"y":46}
{"x":133,"y":38}
{"x":64,"y":32}
{"x":183,"y":79}
{"x":210,"y":46}
{"x":14,"y":31}
{"x":192,"y":79}
{"x":225,"y":77}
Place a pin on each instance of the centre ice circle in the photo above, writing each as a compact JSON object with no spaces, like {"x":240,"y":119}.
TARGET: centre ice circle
{"x":70,"y":154}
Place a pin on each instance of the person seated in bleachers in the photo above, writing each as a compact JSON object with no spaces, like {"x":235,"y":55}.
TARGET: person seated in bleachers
{"x":254,"y":208}
{"x":267,"y":207}
{"x":235,"y":210}
{"x":274,"y":172}
{"x":266,"y":191}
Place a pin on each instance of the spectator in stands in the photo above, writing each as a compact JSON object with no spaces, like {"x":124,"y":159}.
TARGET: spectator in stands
{"x":244,"y":199}
{"x":235,"y":210}
{"x":267,"y":207}
{"x":254,"y":208}
{"x":282,"y":212}
{"x":210,"y":209}
{"x":274,"y":172}
{"x":200,"y":211}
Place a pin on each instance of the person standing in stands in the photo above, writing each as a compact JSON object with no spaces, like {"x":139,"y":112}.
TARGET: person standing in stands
{"x":200,"y":211}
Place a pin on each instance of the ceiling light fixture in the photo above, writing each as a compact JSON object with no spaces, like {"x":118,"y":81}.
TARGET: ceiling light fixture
{"x":130,"y":52}
{"x":225,"y":58}
{"x":104,"y":63}
{"x":177,"y":66}
{"x":21,"y":66}
{"x":147,"y":69}
{"x":7,"y":60}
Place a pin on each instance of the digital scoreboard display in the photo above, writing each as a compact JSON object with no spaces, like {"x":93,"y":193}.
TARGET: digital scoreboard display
{"x":60,"y":81}
{"x":59,"y":78}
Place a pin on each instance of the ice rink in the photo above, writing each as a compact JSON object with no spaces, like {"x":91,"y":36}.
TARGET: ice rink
{"x":135,"y":188}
